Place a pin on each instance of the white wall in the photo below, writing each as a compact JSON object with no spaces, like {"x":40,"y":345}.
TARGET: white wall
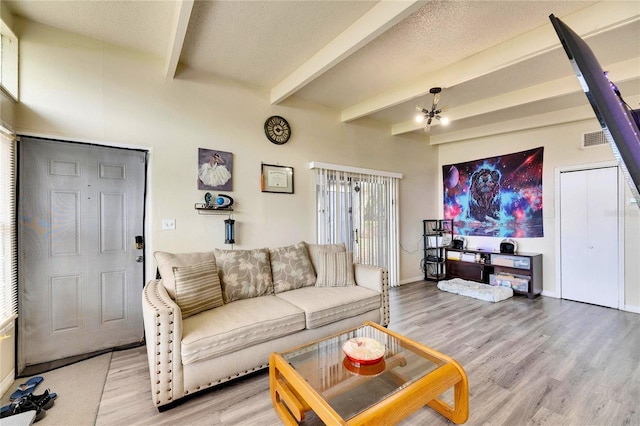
{"x":79,"y":89}
{"x":561,"y":148}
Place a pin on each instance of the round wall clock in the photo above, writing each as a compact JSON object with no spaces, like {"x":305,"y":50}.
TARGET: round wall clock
{"x":277,"y":130}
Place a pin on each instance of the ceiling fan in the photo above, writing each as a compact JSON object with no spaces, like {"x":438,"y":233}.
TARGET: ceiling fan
{"x":429,"y":115}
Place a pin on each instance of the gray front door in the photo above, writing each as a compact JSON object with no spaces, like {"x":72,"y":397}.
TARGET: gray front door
{"x":80,"y":207}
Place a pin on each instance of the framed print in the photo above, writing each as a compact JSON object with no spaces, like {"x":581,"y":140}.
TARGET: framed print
{"x":214,"y":169}
{"x":277,"y":179}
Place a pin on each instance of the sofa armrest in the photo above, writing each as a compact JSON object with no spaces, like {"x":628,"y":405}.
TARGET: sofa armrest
{"x":163,"y":330}
{"x":377,"y":279}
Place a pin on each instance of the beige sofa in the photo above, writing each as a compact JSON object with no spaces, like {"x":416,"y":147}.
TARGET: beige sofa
{"x":216,"y":316}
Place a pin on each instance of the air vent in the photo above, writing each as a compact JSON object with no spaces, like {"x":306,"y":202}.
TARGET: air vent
{"x":593,"y":139}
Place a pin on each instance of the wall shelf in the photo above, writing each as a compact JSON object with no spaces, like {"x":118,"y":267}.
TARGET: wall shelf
{"x":203,"y":209}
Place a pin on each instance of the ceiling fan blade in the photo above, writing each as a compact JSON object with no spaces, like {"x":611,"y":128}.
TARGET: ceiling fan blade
{"x":444,"y":108}
{"x":427,"y":128}
{"x":436,"y":99}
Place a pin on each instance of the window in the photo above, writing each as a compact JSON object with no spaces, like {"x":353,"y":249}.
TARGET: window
{"x":8,"y":60}
{"x":358,"y":207}
{"x":8,"y":252}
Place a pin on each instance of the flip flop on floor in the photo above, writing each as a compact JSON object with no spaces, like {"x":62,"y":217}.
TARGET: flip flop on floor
{"x":26,"y":388}
{"x":21,"y":406}
{"x":44,"y":400}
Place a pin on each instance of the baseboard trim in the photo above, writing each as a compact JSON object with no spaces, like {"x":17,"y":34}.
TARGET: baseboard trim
{"x":549,"y":294}
{"x":631,"y":308}
{"x":411,"y":280}
{"x":7,"y":382}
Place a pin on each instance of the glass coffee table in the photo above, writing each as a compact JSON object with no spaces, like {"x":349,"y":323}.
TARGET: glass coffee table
{"x":319,"y":377}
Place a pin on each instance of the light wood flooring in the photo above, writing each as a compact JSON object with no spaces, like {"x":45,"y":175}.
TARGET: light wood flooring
{"x":529,"y":362}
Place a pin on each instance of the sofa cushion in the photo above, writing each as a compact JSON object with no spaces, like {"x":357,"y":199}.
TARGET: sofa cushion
{"x":197,"y":288}
{"x":238,"y":325}
{"x":291,"y":267}
{"x":316,"y":249}
{"x":166,"y":261}
{"x":244,"y":273}
{"x":324,"y":305}
{"x":335,"y":270}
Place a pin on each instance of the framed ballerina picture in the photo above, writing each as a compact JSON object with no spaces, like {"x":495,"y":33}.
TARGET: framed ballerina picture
{"x":215,"y":169}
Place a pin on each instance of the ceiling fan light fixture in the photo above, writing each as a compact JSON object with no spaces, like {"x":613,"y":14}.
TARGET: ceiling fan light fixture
{"x":444,"y":121}
{"x":424,"y":113}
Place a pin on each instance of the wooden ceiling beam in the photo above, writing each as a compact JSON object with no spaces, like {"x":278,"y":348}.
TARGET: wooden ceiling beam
{"x":376,"y":21}
{"x":619,"y":72}
{"x":178,"y":32}
{"x":593,"y":20}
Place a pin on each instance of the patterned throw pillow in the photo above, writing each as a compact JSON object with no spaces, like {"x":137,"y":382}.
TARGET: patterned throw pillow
{"x":335,"y":270}
{"x":316,"y":249}
{"x":244,"y":273}
{"x":197,"y":288}
{"x":291,"y":268}
{"x":166,"y":261}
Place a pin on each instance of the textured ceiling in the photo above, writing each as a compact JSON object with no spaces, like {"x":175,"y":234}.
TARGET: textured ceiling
{"x":369,"y":58}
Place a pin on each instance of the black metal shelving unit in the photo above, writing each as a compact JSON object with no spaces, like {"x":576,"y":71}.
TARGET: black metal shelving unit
{"x":436,"y":236}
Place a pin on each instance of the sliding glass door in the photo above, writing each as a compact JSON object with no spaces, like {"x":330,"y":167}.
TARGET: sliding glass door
{"x":360,"y":210}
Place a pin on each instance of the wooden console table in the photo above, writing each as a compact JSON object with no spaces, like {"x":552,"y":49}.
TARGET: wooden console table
{"x":525,"y":265}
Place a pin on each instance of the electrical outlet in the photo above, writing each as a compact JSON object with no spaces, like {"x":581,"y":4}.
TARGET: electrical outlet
{"x":168,"y":224}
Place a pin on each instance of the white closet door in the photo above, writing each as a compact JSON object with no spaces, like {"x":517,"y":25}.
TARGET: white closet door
{"x":589,"y":236}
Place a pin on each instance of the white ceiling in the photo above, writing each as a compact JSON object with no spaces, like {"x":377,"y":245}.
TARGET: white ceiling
{"x":496,"y":60}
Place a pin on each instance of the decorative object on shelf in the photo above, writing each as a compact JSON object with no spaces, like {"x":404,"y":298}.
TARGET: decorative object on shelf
{"x":277,"y":130}
{"x":508,"y":246}
{"x":221,"y":202}
{"x":215,"y":169}
{"x":277,"y":178}
{"x":429,"y":115}
{"x":459,"y":242}
{"x":229,"y":231}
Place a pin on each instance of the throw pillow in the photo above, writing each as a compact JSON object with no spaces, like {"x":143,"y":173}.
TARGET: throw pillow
{"x":291,"y":268}
{"x":244,"y":273}
{"x":197,"y":288}
{"x":316,"y":249}
{"x":166,"y":262}
{"x":335,"y":270}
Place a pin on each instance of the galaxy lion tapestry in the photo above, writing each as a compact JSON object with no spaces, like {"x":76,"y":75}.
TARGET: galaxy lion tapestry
{"x":496,"y":197}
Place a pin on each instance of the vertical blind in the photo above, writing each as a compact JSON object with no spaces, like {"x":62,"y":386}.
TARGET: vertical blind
{"x":8,"y":250}
{"x":359,"y":207}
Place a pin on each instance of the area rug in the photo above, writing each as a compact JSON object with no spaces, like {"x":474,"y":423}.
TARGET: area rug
{"x":79,"y":387}
{"x":489,"y":293}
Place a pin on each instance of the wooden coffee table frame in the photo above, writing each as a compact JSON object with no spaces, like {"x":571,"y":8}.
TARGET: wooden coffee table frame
{"x":292,"y":396}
